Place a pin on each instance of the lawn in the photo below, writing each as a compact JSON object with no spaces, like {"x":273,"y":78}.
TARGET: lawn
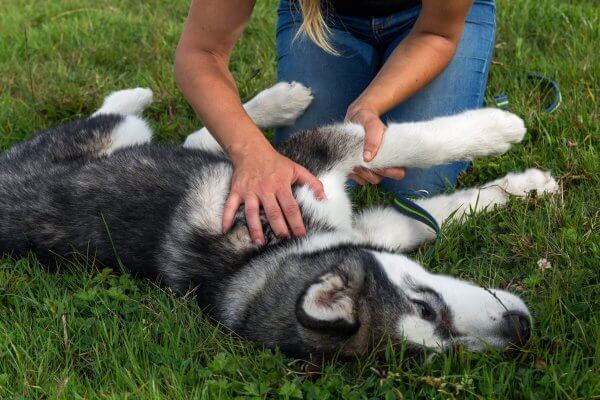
{"x":89,"y":333}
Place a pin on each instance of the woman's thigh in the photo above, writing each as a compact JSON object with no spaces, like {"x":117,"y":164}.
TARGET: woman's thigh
{"x":461,"y":86}
{"x":335,"y":81}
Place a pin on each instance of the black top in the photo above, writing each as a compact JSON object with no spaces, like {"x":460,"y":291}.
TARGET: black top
{"x":374,"y":8}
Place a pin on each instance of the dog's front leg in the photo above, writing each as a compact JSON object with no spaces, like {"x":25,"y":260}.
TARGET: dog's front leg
{"x":442,"y":140}
{"x":339,"y":148}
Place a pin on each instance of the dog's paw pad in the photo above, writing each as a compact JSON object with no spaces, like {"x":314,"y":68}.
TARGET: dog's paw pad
{"x":541,"y":182}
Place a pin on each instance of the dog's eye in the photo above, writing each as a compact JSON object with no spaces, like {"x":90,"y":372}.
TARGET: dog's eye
{"x":427,"y":313}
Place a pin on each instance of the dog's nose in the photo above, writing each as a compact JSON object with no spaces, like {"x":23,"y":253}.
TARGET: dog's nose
{"x":516,"y":327}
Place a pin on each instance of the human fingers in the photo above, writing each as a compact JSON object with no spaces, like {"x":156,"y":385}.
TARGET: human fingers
{"x":290,"y":209}
{"x":304,"y":177}
{"x":393,"y":173}
{"x":370,"y":176}
{"x":274,"y":215}
{"x":229,"y":210}
{"x":252,"y":210}
{"x":374,"y":130}
{"x":356,"y":178}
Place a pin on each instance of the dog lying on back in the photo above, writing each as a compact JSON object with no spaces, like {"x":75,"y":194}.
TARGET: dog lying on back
{"x":99,"y":186}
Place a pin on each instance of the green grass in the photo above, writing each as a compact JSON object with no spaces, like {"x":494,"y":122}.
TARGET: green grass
{"x":91,"y":334}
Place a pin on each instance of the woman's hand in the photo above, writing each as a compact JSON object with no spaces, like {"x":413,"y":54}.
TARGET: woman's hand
{"x":374,"y":130}
{"x":266,"y":178}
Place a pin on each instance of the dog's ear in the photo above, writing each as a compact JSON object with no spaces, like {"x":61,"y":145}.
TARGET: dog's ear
{"x":330,"y":304}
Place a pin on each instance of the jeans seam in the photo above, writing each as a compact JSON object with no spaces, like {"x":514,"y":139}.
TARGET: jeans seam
{"x":484,"y":76}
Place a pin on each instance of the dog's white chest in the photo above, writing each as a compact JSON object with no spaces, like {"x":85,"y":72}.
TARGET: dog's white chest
{"x":336,"y":210}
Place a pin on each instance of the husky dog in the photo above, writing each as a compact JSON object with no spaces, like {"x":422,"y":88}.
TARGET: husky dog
{"x":99,"y":185}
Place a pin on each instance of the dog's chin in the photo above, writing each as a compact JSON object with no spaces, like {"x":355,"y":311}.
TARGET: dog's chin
{"x":478,"y":345}
{"x":457,"y":345}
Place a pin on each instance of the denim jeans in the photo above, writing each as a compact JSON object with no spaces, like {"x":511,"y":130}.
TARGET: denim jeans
{"x":364,"y":44}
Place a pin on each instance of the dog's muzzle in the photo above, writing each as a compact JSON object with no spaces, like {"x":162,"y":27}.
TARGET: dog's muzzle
{"x":516,"y":327}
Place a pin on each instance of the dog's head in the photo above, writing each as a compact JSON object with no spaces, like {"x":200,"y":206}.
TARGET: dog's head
{"x":376,"y":294}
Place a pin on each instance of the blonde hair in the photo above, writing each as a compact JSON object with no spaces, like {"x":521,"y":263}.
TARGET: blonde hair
{"x":313,"y":24}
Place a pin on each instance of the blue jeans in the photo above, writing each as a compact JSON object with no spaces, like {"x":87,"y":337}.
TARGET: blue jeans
{"x":364,"y":44}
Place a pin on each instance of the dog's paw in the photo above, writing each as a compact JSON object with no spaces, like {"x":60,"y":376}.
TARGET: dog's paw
{"x":279,"y":105}
{"x":127,"y":102}
{"x":507,"y":126}
{"x":520,"y":184}
{"x":498,"y":129}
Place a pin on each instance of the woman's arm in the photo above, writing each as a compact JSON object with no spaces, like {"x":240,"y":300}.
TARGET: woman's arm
{"x":261,"y":175}
{"x":417,"y":60}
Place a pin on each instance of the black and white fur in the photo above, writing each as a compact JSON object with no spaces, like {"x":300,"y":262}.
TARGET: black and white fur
{"x":98,"y":186}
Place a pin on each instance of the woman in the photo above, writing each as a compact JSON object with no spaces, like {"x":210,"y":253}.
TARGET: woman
{"x":366,"y":61}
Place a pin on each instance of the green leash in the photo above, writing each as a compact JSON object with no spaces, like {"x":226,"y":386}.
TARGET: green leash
{"x":503,"y":103}
{"x":412,"y":210}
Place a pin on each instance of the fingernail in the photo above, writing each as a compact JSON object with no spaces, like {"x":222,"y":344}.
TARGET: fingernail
{"x":367,"y":155}
{"x":259,"y":242}
{"x":322,"y":196}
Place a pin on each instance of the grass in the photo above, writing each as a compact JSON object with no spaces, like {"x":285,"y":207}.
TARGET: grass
{"x":88,"y":333}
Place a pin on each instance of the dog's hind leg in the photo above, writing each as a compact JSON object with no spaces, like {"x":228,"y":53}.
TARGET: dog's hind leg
{"x":112,"y":127}
{"x":387,"y":228}
{"x":126,"y":102}
{"x":279,"y":105}
{"x":132,"y":130}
